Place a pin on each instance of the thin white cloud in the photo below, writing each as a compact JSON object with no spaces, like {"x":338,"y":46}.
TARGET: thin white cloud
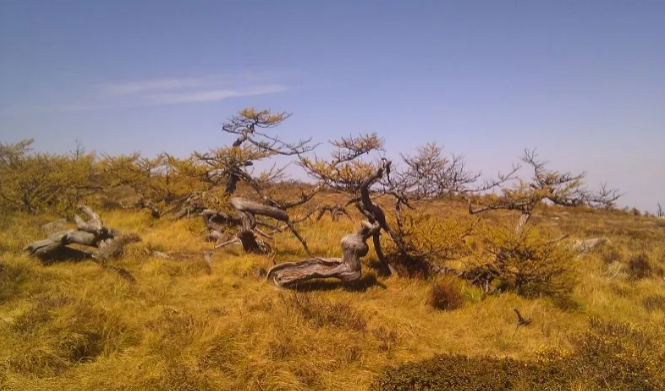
{"x":169,"y":98}
{"x":213,"y":95}
{"x":208,"y":88}
{"x":151,"y":85}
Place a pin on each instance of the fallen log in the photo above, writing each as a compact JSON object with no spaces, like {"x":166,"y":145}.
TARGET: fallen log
{"x":109,"y":243}
{"x":347,"y":268}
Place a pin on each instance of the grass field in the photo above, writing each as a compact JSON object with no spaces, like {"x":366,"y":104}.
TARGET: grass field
{"x":182,"y":326}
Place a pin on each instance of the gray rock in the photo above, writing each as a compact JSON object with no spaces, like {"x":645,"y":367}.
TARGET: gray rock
{"x":586,"y":245}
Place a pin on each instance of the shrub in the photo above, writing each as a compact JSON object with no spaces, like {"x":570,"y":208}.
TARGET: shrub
{"x":528,"y":262}
{"x":639,"y":266}
{"x":426,"y":241}
{"x":617,"y":356}
{"x":37,"y":181}
{"x":462,"y":373}
{"x":609,"y":356}
{"x":446,"y":294}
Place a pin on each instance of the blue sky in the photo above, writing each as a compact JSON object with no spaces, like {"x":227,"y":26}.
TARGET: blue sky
{"x":581,"y":81}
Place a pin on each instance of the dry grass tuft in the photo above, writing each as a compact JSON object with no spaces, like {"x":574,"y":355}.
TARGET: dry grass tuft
{"x":321,"y":313}
{"x":654,"y":303}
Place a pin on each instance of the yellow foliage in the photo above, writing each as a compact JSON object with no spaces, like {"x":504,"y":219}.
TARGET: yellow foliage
{"x":528,"y":262}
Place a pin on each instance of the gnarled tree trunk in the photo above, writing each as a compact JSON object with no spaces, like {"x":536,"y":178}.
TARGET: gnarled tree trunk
{"x":245,"y":219}
{"x":348,"y":268}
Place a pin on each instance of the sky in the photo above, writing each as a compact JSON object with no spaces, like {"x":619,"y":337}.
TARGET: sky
{"x":583,"y":82}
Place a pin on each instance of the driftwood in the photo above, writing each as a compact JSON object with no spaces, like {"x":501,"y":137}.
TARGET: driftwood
{"x":109,"y":243}
{"x":348,"y":268}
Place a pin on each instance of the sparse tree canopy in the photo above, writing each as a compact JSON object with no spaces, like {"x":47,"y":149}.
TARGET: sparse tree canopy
{"x":564,"y":189}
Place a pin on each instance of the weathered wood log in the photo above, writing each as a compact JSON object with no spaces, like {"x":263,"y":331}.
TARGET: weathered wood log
{"x":93,"y":233}
{"x":50,"y":247}
{"x":255,"y":208}
{"x":348,"y":268}
{"x":94,"y":225}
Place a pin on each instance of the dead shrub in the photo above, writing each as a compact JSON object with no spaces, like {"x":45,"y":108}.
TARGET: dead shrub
{"x":446,"y":294}
{"x":639,"y":266}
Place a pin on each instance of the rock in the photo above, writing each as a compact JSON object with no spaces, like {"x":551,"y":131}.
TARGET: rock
{"x":56,"y":225}
{"x":586,"y":245}
{"x":160,"y":254}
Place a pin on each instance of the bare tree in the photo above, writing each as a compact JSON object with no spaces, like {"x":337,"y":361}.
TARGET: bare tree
{"x":660,"y":212}
{"x":564,"y":189}
{"x":253,"y":144}
{"x":425,"y":176}
{"x":430,"y":175}
{"x":232,"y":165}
{"x":345,"y":173}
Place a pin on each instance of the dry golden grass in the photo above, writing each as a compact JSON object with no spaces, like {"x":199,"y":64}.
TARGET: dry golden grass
{"x":74,"y":326}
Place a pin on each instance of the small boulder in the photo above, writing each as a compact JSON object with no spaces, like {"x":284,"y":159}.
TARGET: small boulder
{"x":586,"y":245}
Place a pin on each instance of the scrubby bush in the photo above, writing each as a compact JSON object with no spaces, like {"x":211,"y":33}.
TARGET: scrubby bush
{"x":37,"y":181}
{"x":639,"y":266}
{"x":463,"y":373}
{"x":616,"y":356}
{"x":528,"y":262}
{"x":427,"y":241}
{"x":446,"y":294}
{"x":609,"y":356}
